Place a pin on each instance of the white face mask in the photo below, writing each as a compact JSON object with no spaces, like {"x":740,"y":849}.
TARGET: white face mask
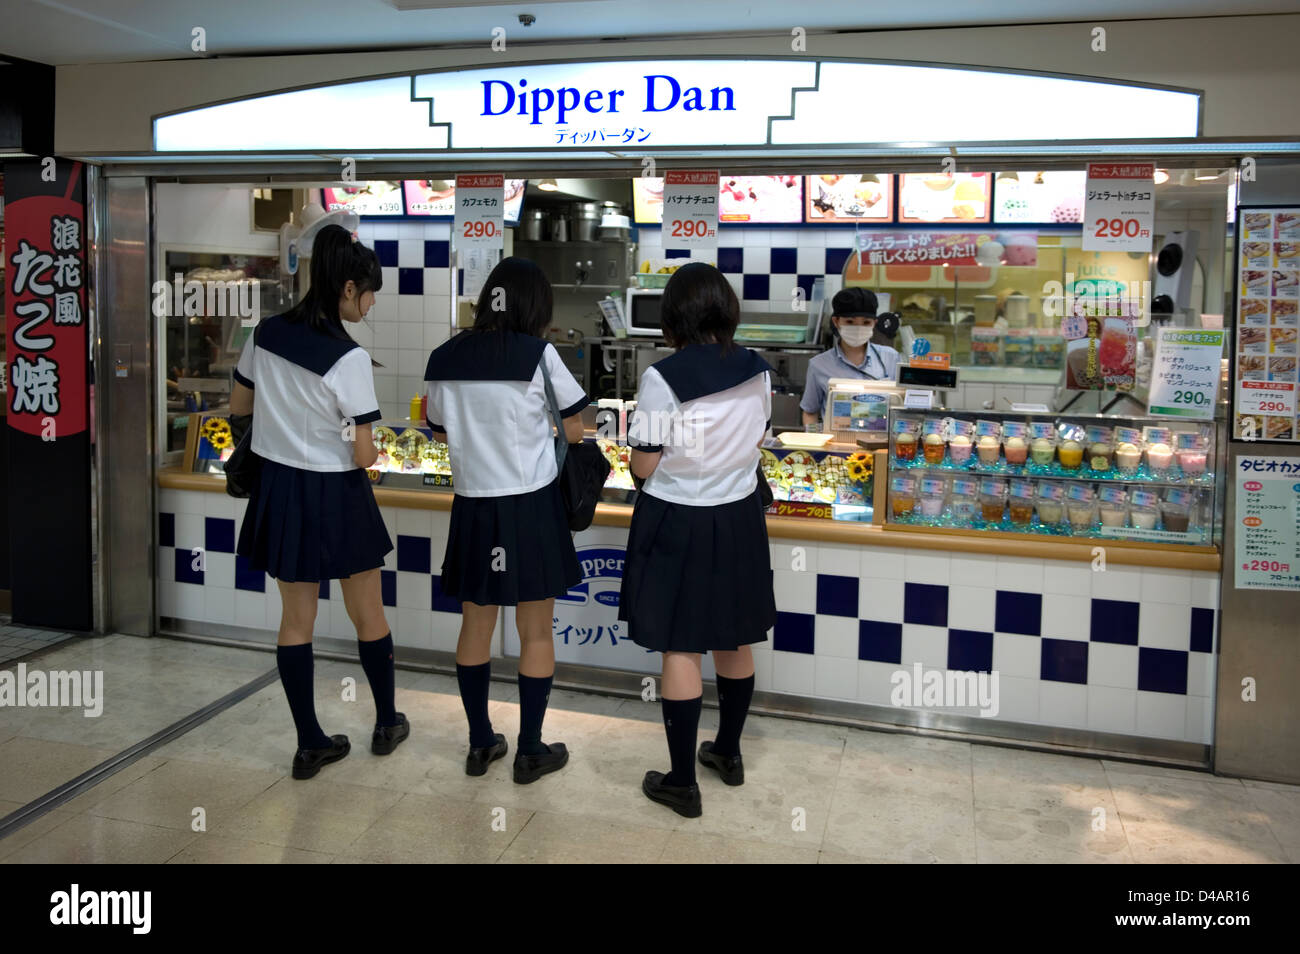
{"x":855,"y":336}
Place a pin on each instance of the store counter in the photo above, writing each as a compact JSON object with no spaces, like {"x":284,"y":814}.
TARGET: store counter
{"x":1083,"y":643}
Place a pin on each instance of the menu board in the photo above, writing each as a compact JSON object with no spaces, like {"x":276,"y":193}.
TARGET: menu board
{"x":1268,"y":279}
{"x":1268,"y":515}
{"x":1039,"y":197}
{"x":365,"y":198}
{"x":437,"y":197}
{"x":944,"y":197}
{"x":754,"y":199}
{"x":864,"y":198}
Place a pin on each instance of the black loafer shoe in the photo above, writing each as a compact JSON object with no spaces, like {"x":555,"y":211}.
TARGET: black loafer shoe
{"x":529,"y":768}
{"x":389,"y":737}
{"x":307,"y":762}
{"x":730,"y":767}
{"x":683,"y":799}
{"x":477,"y":761}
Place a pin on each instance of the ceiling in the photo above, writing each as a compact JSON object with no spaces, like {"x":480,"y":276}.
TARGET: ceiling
{"x":66,"y":32}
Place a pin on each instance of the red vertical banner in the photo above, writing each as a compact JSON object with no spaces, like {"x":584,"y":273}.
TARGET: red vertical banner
{"x":46,"y":279}
{"x":45,"y":270}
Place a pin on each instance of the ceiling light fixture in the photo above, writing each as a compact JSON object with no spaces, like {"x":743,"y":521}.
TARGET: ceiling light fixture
{"x":549,"y":185}
{"x":1207,"y":175}
{"x":1161,"y":176}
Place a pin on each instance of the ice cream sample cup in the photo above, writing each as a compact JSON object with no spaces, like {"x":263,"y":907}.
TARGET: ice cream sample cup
{"x":959,"y":449}
{"x":988,"y":449}
{"x":933,"y":448}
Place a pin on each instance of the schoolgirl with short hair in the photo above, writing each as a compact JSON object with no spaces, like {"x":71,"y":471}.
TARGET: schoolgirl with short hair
{"x":508,"y":541}
{"x":697,"y":577}
{"x":312,"y":516}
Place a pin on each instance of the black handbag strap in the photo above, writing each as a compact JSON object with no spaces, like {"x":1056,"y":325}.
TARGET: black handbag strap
{"x":561,"y":441}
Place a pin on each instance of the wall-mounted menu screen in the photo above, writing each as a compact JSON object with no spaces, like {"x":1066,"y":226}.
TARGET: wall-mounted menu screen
{"x":755,"y":200}
{"x":365,"y":198}
{"x":849,"y":198}
{"x":944,"y":197}
{"x":1039,"y":197}
{"x":437,"y":197}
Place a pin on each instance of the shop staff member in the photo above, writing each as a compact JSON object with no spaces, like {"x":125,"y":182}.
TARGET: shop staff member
{"x":508,"y":540}
{"x":697,"y":577}
{"x":312,"y":514}
{"x":852,"y":355}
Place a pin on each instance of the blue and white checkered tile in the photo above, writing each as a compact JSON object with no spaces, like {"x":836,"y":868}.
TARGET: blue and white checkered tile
{"x":203,"y":580}
{"x":764,"y":266}
{"x":1125,"y":650}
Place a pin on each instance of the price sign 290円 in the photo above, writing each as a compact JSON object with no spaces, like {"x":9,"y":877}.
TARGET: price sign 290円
{"x":480,"y":203}
{"x":691,"y":209}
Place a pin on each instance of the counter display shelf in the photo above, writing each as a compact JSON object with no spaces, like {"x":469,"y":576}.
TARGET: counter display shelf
{"x":1147,"y":480}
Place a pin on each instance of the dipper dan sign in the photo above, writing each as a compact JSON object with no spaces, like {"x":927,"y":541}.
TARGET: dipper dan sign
{"x":641,"y":105}
{"x":48,"y":398}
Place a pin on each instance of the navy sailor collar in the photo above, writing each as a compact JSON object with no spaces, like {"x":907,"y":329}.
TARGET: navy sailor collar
{"x":701,"y":369}
{"x":486,"y":356}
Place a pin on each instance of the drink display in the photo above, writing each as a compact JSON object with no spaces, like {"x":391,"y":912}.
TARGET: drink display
{"x":1057,"y":475}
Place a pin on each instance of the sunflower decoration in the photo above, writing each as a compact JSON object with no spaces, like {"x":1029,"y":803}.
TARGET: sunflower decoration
{"x":859,"y":465}
{"x":216,"y":431}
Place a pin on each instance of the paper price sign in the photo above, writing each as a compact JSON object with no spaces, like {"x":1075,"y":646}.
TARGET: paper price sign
{"x":480,"y":204}
{"x":1185,"y":374}
{"x":1266,"y":397}
{"x":1119,"y":209}
{"x":691,"y":209}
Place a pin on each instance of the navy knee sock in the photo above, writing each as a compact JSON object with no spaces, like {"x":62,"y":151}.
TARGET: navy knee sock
{"x":295,"y":665}
{"x":733,"y":701}
{"x":681,"y":722}
{"x":377,"y":661}
{"x":474,"y":682}
{"x":534,"y":693}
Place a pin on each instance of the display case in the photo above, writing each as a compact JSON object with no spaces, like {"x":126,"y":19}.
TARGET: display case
{"x":1151,"y":480}
{"x":830,"y":483}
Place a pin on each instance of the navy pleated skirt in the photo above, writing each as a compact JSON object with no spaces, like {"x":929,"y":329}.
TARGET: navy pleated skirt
{"x":502,"y":551}
{"x":307,"y":526}
{"x":697,"y":579}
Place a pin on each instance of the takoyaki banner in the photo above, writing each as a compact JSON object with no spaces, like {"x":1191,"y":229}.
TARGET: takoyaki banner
{"x":641,"y":105}
{"x":47,"y":327}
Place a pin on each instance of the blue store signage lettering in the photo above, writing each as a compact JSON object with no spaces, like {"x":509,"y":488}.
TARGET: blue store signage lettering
{"x":662,"y":93}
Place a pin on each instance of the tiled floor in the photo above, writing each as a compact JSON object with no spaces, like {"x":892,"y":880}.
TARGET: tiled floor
{"x":19,"y":641}
{"x":813,"y":793}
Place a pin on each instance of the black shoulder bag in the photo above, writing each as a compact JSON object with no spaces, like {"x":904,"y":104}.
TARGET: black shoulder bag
{"x":583,"y":468}
{"x":243,"y":467}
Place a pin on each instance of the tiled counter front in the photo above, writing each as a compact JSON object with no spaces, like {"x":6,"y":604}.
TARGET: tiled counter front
{"x":1126,"y":650}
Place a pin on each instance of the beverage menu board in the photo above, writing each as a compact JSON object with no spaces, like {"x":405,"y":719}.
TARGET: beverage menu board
{"x":844,"y":198}
{"x":1268,"y":282}
{"x":945,"y":197}
{"x":365,"y":198}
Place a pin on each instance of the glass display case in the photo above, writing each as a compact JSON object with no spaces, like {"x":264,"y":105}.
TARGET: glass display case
{"x":832,"y":483}
{"x":1141,"y":479}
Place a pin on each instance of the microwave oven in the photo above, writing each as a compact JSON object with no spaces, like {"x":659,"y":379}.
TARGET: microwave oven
{"x":642,"y":312}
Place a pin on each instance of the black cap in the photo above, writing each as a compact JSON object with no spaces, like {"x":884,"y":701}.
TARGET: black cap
{"x":854,"y":303}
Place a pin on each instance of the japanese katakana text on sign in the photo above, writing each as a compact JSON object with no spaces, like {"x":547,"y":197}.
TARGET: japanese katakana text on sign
{"x":1185,"y":374}
{"x":480,"y":205}
{"x":691,"y":209}
{"x":1267,"y":533}
{"x":1119,"y":208}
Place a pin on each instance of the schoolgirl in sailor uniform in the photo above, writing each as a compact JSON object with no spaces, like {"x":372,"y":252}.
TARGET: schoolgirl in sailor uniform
{"x":697,"y":577}
{"x":508,"y":540}
{"x":312,"y":514}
